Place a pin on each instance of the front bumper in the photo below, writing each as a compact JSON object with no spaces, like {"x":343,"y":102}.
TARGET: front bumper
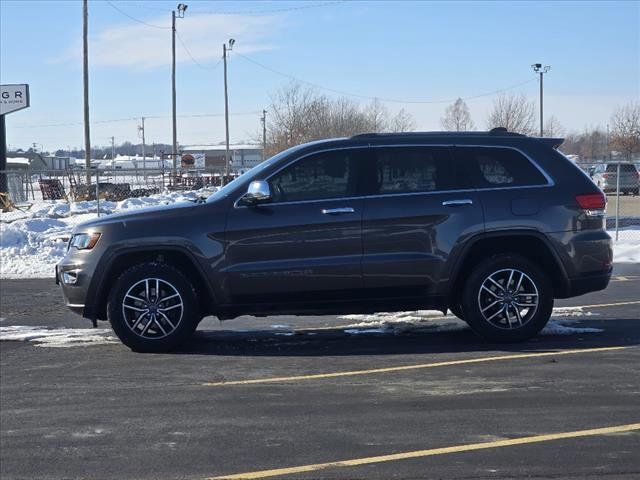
{"x":74,"y":293}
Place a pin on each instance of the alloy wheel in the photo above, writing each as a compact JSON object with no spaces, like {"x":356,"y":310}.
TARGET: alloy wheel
{"x":508,"y":299}
{"x":152,"y":308}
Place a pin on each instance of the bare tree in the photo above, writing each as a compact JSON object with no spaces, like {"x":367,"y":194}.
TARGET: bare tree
{"x":401,"y":122}
{"x":591,"y":145}
{"x":625,"y":129}
{"x":457,"y":117}
{"x":299,"y":114}
{"x":513,"y":112}
{"x":552,"y":127}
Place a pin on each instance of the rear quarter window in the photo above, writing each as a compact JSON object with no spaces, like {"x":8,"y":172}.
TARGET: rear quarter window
{"x":490,"y":167}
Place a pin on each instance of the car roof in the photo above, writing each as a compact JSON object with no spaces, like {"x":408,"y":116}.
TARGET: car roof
{"x":496,"y":136}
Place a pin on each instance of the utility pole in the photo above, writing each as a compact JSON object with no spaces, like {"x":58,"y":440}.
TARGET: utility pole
{"x":538,"y":68}
{"x":181,"y":9}
{"x":85,"y":77}
{"x":174,"y":149}
{"x":226,"y":104}
{"x":264,"y":134}
{"x":144,"y":157}
{"x":113,"y":151}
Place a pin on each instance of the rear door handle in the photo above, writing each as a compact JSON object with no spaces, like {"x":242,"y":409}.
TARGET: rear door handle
{"x":337,"y":211}
{"x":455,"y":203}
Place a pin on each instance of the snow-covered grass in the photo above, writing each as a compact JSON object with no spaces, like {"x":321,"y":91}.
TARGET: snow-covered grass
{"x":33,"y":242}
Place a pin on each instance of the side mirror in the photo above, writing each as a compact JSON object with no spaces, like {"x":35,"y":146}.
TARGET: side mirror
{"x":258,"y":192}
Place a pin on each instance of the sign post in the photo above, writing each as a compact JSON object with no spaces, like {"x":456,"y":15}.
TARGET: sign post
{"x":13,"y":97}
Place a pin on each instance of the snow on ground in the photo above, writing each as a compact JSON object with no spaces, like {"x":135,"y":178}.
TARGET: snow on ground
{"x":424,"y":321}
{"x":627,"y":248}
{"x":58,"y":337}
{"x":32,"y":244}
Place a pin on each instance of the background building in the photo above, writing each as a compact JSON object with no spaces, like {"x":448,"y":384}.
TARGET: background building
{"x":243,"y":156}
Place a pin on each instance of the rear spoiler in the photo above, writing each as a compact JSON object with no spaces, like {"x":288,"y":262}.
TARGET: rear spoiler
{"x":552,"y":142}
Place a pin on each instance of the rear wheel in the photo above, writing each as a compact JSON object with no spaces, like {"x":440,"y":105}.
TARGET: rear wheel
{"x":507,"y":299}
{"x":152,"y":308}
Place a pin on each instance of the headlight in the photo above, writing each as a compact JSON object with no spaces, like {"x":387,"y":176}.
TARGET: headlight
{"x":84,"y":241}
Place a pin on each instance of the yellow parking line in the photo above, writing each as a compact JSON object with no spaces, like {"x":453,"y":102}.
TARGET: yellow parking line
{"x":602,"y":305}
{"x":316,"y":376}
{"x":431,"y":452}
{"x":625,"y":278}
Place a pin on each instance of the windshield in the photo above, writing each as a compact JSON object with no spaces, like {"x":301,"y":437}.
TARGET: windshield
{"x":254,"y":172}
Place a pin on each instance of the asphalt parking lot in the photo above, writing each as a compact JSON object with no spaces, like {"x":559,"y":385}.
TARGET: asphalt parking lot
{"x":285,"y":397}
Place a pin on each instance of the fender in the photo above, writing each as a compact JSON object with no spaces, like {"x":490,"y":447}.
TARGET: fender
{"x":96,"y":294}
{"x":461,"y":252}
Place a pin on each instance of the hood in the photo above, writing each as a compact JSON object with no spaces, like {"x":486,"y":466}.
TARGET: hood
{"x":142,"y":214}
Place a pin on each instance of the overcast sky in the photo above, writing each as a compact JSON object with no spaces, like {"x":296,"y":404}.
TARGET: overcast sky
{"x":405,"y":51}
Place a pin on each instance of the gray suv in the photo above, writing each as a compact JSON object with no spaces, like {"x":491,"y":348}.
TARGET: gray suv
{"x":491,"y":225}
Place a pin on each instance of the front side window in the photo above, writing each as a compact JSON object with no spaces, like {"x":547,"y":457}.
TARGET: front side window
{"x":498,"y":167}
{"x":412,"y":170}
{"x":319,"y":176}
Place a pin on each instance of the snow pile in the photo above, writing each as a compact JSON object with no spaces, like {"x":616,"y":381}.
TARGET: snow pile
{"x":58,"y":337}
{"x":31,"y":245}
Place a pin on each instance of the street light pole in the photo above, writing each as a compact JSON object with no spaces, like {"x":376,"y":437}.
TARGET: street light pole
{"x":538,"y":68}
{"x":226,"y":104}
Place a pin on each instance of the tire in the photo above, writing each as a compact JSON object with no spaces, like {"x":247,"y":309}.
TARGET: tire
{"x":167,"y":323}
{"x":520,"y":322}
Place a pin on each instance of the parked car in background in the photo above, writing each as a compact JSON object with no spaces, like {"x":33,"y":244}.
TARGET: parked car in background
{"x":491,"y":225}
{"x":605,"y":177}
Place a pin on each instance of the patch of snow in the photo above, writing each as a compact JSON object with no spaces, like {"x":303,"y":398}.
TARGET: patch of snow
{"x":627,"y":248}
{"x":559,"y":327}
{"x":433,"y":321}
{"x":57,"y":337}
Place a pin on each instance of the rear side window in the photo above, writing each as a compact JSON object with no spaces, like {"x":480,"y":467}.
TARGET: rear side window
{"x":491,"y":167}
{"x":411,"y":170}
{"x":319,"y":176}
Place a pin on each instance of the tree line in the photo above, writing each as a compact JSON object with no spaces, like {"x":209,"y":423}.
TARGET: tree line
{"x":298,"y":114}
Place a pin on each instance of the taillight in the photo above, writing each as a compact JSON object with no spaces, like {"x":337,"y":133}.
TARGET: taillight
{"x":593,"y":204}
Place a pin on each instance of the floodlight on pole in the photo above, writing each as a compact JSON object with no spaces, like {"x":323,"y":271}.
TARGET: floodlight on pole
{"x":539,"y":68}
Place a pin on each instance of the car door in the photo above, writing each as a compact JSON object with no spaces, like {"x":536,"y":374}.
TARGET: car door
{"x":416,"y":214}
{"x":306,"y":243}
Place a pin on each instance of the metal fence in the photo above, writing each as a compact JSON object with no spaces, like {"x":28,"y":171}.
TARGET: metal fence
{"x":29,"y":191}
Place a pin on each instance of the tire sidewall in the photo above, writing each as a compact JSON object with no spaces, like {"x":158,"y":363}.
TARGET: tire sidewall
{"x":188,"y":322}
{"x":485,"y":329}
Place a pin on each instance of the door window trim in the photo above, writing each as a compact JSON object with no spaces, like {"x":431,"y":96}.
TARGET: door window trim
{"x":550,"y":181}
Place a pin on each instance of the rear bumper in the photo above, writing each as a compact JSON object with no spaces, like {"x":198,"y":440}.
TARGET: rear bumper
{"x":588,"y":283}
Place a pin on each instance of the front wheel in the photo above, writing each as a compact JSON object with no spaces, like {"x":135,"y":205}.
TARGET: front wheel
{"x":507,"y":299}
{"x":152,"y":308}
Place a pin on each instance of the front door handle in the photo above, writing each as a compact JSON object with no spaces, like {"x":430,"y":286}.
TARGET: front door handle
{"x":337,"y":211}
{"x":455,"y":203}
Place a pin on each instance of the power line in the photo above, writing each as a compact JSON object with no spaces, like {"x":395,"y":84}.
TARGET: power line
{"x":147,"y":117}
{"x":267,"y":11}
{"x":136,"y":19}
{"x":368,"y":97}
{"x":205,"y":67}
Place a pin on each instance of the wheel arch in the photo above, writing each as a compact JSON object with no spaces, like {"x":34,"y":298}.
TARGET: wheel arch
{"x":117,"y":262}
{"x":530,"y":244}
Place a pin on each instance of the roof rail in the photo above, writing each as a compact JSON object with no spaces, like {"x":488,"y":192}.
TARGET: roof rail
{"x":504,"y":131}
